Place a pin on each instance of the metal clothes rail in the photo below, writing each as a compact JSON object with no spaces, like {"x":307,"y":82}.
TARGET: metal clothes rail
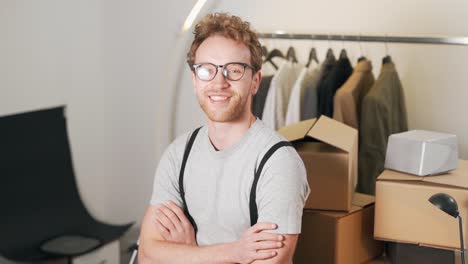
{"x":369,"y":38}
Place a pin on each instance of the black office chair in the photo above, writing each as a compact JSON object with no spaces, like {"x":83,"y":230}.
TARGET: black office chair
{"x":42,"y":216}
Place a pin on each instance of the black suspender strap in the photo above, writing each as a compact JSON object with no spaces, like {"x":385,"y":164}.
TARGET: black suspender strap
{"x":181,"y":178}
{"x":253,"y":192}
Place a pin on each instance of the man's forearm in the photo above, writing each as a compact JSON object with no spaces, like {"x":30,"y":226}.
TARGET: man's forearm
{"x":167,"y":252}
{"x":165,"y":240}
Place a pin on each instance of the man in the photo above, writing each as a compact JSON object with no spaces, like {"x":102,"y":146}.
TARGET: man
{"x":225,"y":59}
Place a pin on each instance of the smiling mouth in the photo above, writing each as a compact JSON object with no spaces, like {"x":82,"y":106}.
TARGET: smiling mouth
{"x":218,"y":98}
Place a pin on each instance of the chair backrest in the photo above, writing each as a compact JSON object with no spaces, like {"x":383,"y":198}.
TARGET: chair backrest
{"x":38,"y":194}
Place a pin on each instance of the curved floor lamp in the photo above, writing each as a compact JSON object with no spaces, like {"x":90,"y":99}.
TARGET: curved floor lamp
{"x":448,"y":204}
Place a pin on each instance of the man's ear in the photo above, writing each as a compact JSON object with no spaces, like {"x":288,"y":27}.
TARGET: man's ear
{"x":257,"y":78}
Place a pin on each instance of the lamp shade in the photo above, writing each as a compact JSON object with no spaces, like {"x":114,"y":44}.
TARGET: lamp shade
{"x":445,"y":203}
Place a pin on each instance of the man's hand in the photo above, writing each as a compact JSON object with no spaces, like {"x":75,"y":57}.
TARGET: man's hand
{"x":173,"y":225}
{"x":257,"y":245}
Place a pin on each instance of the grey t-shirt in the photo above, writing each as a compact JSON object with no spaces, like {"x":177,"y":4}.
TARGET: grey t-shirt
{"x":217,"y":184}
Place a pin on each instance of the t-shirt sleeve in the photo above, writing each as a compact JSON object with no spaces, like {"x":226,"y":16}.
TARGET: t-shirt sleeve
{"x":282,"y":191}
{"x":166,"y":179}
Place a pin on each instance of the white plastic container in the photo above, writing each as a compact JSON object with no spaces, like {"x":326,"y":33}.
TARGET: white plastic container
{"x":422,"y":153}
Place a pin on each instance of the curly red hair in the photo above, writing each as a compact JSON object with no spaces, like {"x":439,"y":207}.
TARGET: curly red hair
{"x":228,"y":26}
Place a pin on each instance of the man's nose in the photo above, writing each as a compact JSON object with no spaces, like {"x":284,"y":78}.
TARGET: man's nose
{"x":219,"y":79}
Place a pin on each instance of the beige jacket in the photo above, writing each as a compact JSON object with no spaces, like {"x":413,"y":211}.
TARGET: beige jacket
{"x":347,"y":101}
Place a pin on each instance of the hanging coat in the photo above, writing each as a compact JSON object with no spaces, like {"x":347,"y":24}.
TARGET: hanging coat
{"x":327,"y":89}
{"x":258,"y":102}
{"x":348,"y":98}
{"x":310,"y":107}
{"x":383,"y":114}
{"x":274,"y":112}
{"x":296,"y":100}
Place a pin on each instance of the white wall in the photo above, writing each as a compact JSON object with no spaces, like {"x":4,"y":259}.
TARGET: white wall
{"x":106,"y":60}
{"x":51,"y":55}
{"x":115,"y":64}
{"x":138,"y":41}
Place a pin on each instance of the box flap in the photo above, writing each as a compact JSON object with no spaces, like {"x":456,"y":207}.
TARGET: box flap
{"x":388,"y":174}
{"x":336,"y":214}
{"x":360,"y":201}
{"x":435,"y":246}
{"x":458,"y":177}
{"x":334,"y":133}
{"x":363,"y":200}
{"x":297,"y":131}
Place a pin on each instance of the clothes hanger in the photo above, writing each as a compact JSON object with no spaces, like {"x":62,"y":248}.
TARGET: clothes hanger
{"x":362,"y":57}
{"x":291,"y":54}
{"x":330,"y":54}
{"x":343,"y":53}
{"x":387,"y":59}
{"x":271,"y":55}
{"x":312,"y":57}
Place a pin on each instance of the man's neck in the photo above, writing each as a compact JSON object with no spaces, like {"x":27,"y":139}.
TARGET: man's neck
{"x":223,"y":135}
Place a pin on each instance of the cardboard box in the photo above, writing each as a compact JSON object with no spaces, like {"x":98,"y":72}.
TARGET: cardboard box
{"x":422,"y":152}
{"x":339,"y":237}
{"x":329,"y":151}
{"x":403,"y":253}
{"x":404,"y":214}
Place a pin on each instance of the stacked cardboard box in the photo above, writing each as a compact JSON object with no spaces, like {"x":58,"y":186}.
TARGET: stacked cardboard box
{"x":329,"y":151}
{"x":339,"y":237}
{"x":404,"y":214}
{"x":337,"y":224}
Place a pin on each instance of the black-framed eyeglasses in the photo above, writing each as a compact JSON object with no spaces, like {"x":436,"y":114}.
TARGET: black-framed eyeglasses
{"x":232,"y":71}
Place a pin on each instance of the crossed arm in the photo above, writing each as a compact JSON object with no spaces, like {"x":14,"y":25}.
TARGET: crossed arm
{"x":168,"y":237}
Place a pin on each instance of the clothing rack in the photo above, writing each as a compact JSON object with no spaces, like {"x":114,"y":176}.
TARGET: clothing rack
{"x":369,"y":38}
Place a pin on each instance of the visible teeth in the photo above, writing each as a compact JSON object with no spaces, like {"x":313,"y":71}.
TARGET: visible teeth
{"x":218,"y":98}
